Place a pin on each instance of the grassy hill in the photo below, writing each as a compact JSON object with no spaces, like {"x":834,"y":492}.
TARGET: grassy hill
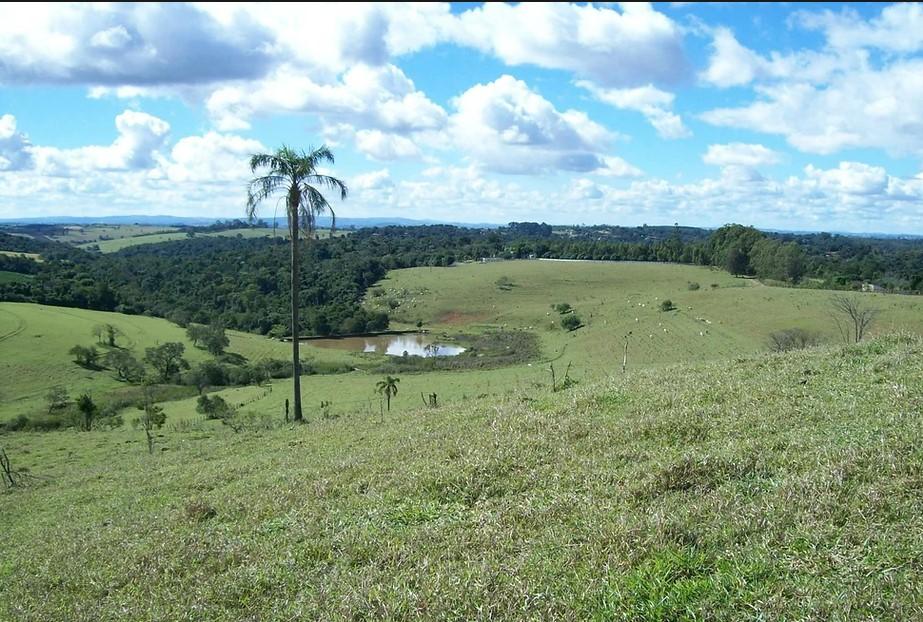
{"x":117,"y":244}
{"x":35,"y":339}
{"x":724,"y":317}
{"x":758,"y":487}
{"x":711,"y":323}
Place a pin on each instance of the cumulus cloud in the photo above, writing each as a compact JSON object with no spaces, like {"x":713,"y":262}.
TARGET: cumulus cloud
{"x":819,"y":199}
{"x":509,"y":128}
{"x":733,"y":64}
{"x":381,"y":146}
{"x":139,"y":44}
{"x":372,"y":97}
{"x":898,"y":28}
{"x":137,"y":173}
{"x":850,"y":178}
{"x":635,"y":45}
{"x":373,"y":180}
{"x":15,"y":148}
{"x":584,"y":189}
{"x":140,"y":138}
{"x":740,"y":154}
{"x":650,"y":101}
{"x":210,"y":158}
{"x":872,"y":108}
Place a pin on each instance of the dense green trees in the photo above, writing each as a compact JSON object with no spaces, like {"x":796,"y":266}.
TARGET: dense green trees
{"x":167,"y":360}
{"x":242,"y":283}
{"x":85,"y":357}
{"x":125,"y":365}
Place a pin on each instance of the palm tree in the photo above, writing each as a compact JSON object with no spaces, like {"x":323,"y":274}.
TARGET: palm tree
{"x":295,"y":176}
{"x":388,"y":386}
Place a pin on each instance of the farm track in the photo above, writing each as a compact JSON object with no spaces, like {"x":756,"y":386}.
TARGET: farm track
{"x":21,"y":326}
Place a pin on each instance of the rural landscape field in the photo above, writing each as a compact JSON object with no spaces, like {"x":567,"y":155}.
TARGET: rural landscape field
{"x":461,"y":311}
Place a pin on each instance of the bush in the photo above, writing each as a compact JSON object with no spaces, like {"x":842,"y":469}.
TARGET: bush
{"x":214,"y":407}
{"x":85,"y":357}
{"x":693,"y":286}
{"x":667,"y":305}
{"x":571,"y":322}
{"x":39,"y":423}
{"x":504,"y":283}
{"x":562,"y":307}
{"x":277,"y":368}
{"x":792,"y":339}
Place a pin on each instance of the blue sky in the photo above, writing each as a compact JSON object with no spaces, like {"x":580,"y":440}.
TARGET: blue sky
{"x":800,"y":116}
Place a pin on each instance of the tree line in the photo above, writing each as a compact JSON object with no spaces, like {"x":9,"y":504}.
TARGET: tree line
{"x":244,"y":283}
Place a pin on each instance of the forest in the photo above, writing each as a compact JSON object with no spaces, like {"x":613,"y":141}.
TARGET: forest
{"x":242,"y":283}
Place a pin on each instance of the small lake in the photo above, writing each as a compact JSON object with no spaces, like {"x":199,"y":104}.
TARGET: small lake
{"x":414,"y":344}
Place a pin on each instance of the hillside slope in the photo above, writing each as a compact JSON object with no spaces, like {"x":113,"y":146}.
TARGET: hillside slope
{"x":774,"y":487}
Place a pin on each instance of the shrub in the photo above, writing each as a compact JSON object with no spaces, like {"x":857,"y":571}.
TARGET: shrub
{"x":504,"y":283}
{"x":667,"y":305}
{"x":214,"y":407}
{"x":693,"y":286}
{"x":792,"y":339}
{"x":562,"y":307}
{"x":85,"y":357}
{"x":571,"y":322}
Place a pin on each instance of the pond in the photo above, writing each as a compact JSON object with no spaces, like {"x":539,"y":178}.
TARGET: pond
{"x":414,"y":344}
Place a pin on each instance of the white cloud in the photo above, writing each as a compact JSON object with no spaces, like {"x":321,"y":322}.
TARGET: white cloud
{"x":879,"y":109}
{"x":732,"y":64}
{"x":741,"y":154}
{"x":898,"y":28}
{"x":15,"y":148}
{"x":211,"y":158}
{"x":140,"y":138}
{"x":372,"y":97}
{"x":372,"y":181}
{"x":136,"y":44}
{"x":584,"y":189}
{"x":381,"y":146}
{"x":850,"y":178}
{"x":511,"y":129}
{"x":115,"y":38}
{"x":650,"y":101}
{"x":633,"y":46}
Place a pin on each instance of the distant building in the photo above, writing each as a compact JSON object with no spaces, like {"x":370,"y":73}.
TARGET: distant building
{"x":871,"y":287}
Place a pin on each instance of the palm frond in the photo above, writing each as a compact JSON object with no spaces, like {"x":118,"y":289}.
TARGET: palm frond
{"x":260,"y":189}
{"x":332,"y":183}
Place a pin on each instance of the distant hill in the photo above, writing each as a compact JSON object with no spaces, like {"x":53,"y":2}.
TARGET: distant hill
{"x":323,"y":222}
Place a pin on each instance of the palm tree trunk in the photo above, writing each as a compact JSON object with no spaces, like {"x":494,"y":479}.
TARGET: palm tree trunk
{"x":388,"y":395}
{"x":296,"y":361}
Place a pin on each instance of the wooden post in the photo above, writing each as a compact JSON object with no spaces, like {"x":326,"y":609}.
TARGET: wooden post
{"x":625,"y":356}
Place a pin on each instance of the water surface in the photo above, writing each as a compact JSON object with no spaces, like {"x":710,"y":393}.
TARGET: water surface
{"x":414,"y":344}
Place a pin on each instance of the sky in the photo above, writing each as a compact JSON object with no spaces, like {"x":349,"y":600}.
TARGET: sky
{"x":781,"y":116}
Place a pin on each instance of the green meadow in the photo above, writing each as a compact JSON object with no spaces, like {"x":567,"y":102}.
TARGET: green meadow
{"x":711,"y":480}
{"x":725,"y":318}
{"x":117,"y":244}
{"x":755,"y":488}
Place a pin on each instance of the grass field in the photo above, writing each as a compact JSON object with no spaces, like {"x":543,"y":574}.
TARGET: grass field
{"x":33,"y":256}
{"x":111,"y":246}
{"x":34,"y":340}
{"x":767,"y":487}
{"x":13,"y":277}
{"x":731,"y":320}
{"x":76,"y":234}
